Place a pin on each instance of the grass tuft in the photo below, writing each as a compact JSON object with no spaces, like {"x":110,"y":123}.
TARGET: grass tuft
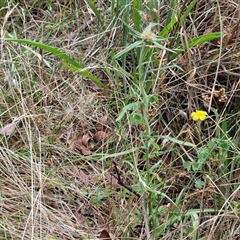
{"x":119,"y":120}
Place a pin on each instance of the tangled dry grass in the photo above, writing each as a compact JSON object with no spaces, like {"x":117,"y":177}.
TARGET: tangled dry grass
{"x":67,"y":166}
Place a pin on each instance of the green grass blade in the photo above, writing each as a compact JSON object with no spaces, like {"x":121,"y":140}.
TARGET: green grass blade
{"x":188,"y":10}
{"x":66,"y":60}
{"x":136,"y":15}
{"x":132,"y":30}
{"x":48,"y":48}
{"x":125,"y":7}
{"x":204,"y":38}
{"x":196,"y":41}
{"x":168,"y":28}
{"x":172,"y":20}
{"x":128,"y":107}
{"x":163,"y":48}
{"x":151,"y":6}
{"x":124,"y":4}
{"x":170,"y":12}
{"x":94,"y":8}
{"x":129,"y":48}
{"x":85,"y":73}
{"x":177,"y":141}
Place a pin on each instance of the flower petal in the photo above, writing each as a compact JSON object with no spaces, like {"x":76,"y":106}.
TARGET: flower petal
{"x":198,"y":115}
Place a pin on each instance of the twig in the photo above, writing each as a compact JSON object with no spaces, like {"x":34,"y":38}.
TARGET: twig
{"x":120,"y":182}
{"x":146,"y":223}
{"x":230,"y":73}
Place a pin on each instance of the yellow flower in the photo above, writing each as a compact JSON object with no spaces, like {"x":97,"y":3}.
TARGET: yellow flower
{"x":199,"y":115}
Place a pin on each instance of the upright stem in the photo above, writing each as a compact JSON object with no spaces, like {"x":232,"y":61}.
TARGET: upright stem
{"x":147,"y":130}
{"x":145,"y":109}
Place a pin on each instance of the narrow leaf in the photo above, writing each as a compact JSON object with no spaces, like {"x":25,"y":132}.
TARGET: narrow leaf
{"x":196,"y":41}
{"x":168,"y":28}
{"x":48,"y":48}
{"x":188,"y":10}
{"x":129,"y":48}
{"x":74,"y":66}
{"x":171,"y":11}
{"x":94,"y":8}
{"x":203,"y":38}
{"x":128,"y":107}
{"x":136,"y":15}
{"x":180,"y":142}
{"x":85,"y":73}
{"x":163,"y":48}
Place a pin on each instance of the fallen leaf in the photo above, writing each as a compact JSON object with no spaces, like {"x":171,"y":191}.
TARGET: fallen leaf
{"x":85,"y":139}
{"x":81,"y":144}
{"x":84,"y":150}
{"x":8,"y":129}
{"x":80,"y":174}
{"x":183,"y":114}
{"x":101,"y":124}
{"x":238,"y":194}
{"x":236,"y":175}
{"x":99,"y":136}
{"x":86,"y":210}
{"x":80,"y":218}
{"x":105,"y":235}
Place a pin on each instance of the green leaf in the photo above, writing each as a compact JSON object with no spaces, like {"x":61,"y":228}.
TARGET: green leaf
{"x":67,"y":61}
{"x":152,"y":98}
{"x":203,"y":154}
{"x":171,"y":11}
{"x":150,"y":26}
{"x":125,"y":8}
{"x":213,"y":143}
{"x":187,"y":165}
{"x":196,"y":41}
{"x":172,"y":20}
{"x":85,"y":73}
{"x":48,"y":48}
{"x":180,"y":142}
{"x":168,"y":28}
{"x":137,"y":34}
{"x":136,"y":15}
{"x":117,"y":154}
{"x":196,"y":166}
{"x":162,"y":47}
{"x":129,"y":48}
{"x":199,"y":184}
{"x":136,"y":118}
{"x":128,"y":107}
{"x":94,"y":8}
{"x":203,"y":38}
{"x":188,"y":10}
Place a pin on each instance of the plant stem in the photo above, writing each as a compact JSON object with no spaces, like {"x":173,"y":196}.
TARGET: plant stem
{"x":147,"y":130}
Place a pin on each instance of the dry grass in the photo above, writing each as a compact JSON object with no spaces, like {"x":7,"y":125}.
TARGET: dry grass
{"x":69,"y":170}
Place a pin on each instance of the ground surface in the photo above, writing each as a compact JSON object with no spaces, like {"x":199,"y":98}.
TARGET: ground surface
{"x":120,"y":159}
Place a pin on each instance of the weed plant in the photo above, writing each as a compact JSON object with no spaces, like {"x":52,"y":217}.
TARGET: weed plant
{"x":98,"y":138}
